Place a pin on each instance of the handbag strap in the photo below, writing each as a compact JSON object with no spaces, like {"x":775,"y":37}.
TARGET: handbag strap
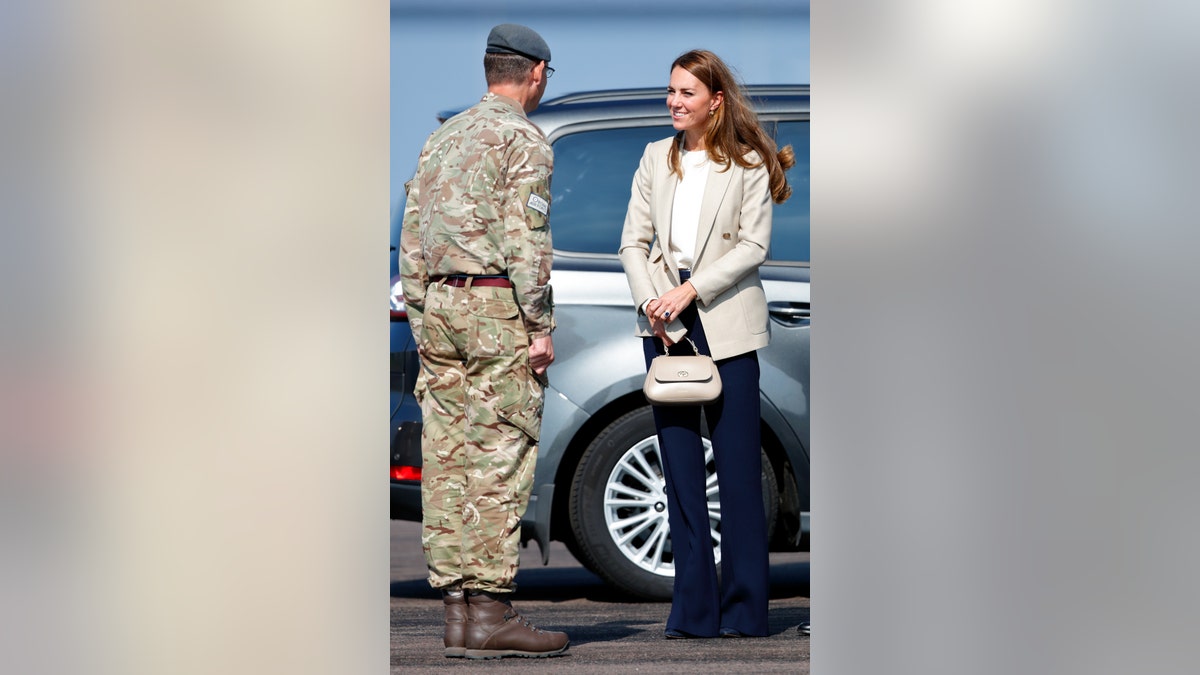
{"x":693,"y":344}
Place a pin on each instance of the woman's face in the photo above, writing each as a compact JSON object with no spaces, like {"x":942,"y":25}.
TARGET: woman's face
{"x":690,"y":101}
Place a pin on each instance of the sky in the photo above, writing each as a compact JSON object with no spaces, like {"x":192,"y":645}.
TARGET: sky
{"x":437,"y":51}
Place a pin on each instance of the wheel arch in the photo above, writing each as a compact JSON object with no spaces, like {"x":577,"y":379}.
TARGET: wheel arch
{"x":792,"y":480}
{"x":560,"y":527}
{"x":792,"y":498}
{"x":791,"y":473}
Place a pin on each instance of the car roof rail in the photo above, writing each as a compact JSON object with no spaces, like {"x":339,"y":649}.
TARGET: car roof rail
{"x":651,"y":93}
{"x":646,"y":94}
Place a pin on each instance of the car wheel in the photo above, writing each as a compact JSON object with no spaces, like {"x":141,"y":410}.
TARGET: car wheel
{"x":618,"y":507}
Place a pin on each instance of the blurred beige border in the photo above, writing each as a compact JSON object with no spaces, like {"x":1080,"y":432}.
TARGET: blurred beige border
{"x":210,"y":492}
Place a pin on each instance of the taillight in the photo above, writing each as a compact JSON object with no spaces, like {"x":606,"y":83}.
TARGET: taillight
{"x":406,"y":473}
{"x":399,"y":313}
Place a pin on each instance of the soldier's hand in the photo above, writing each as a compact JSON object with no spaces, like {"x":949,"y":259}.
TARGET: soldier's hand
{"x":541,"y":354}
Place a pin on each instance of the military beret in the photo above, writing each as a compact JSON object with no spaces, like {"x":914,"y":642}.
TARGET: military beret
{"x":512,"y":38}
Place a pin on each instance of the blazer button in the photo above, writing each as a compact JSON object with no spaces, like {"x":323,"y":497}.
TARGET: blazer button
{"x":725,"y":236}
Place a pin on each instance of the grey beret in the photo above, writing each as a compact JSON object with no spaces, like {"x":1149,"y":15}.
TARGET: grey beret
{"x":512,"y":38}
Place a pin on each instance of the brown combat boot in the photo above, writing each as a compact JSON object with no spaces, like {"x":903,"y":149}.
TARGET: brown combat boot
{"x":495,"y":629}
{"x":456,"y":623}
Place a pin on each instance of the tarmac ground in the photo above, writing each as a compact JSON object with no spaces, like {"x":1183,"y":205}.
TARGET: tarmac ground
{"x":610,"y":632}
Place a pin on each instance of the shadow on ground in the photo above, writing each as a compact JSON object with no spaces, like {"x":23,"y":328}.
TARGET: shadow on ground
{"x":563,"y":584}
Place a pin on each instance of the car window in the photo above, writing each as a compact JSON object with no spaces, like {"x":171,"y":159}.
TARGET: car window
{"x":593,"y":171}
{"x":790,"y":220}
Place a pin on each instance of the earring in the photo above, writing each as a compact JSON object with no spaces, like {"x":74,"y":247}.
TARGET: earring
{"x":712,"y":111}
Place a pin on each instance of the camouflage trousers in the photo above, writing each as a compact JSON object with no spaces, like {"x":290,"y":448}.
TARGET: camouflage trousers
{"x":481,"y":406}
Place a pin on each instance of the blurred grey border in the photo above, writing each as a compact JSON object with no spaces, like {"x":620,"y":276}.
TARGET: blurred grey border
{"x":1004,"y":373}
{"x":1004,"y":339}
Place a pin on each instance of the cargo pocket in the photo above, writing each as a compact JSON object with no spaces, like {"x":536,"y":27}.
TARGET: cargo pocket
{"x":499,"y":305}
{"x":497,"y":329}
{"x":521,"y":402}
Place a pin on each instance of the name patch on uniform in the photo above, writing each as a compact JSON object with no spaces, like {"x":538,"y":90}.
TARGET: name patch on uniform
{"x":538,"y":204}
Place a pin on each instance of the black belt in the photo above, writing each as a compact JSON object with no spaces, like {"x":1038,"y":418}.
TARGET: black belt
{"x":460,"y":280}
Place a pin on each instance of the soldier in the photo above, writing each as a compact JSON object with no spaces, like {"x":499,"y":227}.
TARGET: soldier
{"x":475,"y":259}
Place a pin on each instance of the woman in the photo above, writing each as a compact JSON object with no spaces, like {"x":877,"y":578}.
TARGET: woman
{"x":697,"y":229}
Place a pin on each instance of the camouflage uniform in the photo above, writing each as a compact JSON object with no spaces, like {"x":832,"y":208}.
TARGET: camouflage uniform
{"x":478,"y":205}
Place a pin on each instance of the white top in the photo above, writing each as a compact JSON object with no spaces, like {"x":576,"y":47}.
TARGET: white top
{"x":685,"y":211}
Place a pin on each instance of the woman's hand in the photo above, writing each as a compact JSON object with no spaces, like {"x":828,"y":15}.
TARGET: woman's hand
{"x":661,"y":311}
{"x":657,"y":325}
{"x":659,"y":328}
{"x":674,"y":301}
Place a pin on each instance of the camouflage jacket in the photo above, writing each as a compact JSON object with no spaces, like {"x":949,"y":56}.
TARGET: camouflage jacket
{"x":479,"y":204}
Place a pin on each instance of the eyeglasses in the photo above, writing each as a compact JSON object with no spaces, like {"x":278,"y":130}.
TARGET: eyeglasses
{"x":549,"y":71}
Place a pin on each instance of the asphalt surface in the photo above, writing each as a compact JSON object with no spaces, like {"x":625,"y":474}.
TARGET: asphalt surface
{"x":609,"y":632}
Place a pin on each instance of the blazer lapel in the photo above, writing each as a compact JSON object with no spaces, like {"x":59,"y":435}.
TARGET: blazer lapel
{"x":715,"y":188}
{"x":667,"y":183}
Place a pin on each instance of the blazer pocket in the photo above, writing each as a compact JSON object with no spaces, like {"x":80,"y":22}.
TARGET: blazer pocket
{"x":754,"y":305}
{"x":659,"y":271}
{"x":655,"y":261}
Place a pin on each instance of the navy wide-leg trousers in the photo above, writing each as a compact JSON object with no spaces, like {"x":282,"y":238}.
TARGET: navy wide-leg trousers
{"x":700,"y":605}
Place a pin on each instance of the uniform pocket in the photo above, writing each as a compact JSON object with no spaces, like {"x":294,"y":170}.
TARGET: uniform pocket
{"x":496,"y":330}
{"x":493,"y":307}
{"x":520,"y":403}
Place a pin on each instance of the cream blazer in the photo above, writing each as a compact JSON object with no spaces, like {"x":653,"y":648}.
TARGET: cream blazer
{"x":731,"y":242}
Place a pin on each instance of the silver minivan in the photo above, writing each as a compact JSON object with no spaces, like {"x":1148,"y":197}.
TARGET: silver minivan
{"x":599,"y":486}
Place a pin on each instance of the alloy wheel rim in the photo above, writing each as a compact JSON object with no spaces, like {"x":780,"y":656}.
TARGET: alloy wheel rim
{"x":635,"y":507}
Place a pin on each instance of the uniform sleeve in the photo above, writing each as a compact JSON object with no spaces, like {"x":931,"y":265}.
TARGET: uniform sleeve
{"x":528,"y":249}
{"x":413,"y":275}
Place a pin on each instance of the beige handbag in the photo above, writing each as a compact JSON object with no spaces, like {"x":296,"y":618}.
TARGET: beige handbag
{"x":682,"y":380}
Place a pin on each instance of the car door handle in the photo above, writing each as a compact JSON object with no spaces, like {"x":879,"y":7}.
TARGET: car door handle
{"x":789,"y":312}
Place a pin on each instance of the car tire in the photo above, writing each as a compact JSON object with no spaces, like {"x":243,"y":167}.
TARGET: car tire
{"x":617,"y":507}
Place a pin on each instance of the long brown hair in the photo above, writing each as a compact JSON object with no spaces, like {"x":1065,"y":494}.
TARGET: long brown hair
{"x":733,"y":130}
